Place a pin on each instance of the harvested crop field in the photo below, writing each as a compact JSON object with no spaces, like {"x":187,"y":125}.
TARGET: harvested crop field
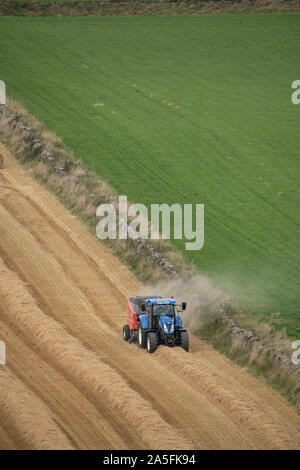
{"x":63,"y":304}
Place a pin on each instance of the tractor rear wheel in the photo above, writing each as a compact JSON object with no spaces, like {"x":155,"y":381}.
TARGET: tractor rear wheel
{"x":152,"y":342}
{"x":141,"y":337}
{"x":126,"y":332}
{"x":184,"y":340}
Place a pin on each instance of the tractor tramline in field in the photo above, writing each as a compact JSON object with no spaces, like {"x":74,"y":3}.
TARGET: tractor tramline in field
{"x":154,"y":320}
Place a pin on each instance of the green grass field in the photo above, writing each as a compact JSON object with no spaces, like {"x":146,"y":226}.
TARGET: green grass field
{"x":187,"y":109}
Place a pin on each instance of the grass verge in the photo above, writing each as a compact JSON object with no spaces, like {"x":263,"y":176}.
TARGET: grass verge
{"x":260,"y":358}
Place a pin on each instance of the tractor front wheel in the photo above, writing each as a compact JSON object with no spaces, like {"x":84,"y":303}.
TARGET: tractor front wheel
{"x":152,"y":342}
{"x":141,"y":337}
{"x":126,"y":333}
{"x":184,"y":340}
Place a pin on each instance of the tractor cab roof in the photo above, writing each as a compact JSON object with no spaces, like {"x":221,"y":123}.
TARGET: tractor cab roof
{"x":141,"y":299}
{"x":160,"y":301}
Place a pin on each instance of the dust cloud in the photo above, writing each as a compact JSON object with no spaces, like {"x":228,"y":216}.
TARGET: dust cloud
{"x":202,"y":297}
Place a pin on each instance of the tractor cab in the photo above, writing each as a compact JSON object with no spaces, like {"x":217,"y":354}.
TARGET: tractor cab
{"x":160,"y":311}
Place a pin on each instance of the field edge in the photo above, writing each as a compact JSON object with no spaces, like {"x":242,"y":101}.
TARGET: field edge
{"x":136,"y":8}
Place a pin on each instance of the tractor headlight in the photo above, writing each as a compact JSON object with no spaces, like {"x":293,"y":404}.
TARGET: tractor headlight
{"x":168,"y":328}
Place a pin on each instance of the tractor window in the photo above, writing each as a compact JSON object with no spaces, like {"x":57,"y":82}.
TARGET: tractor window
{"x":159,"y":310}
{"x":140,"y":311}
{"x":134,"y":307}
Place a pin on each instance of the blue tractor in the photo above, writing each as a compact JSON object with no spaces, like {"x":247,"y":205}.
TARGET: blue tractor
{"x":160,"y":323}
